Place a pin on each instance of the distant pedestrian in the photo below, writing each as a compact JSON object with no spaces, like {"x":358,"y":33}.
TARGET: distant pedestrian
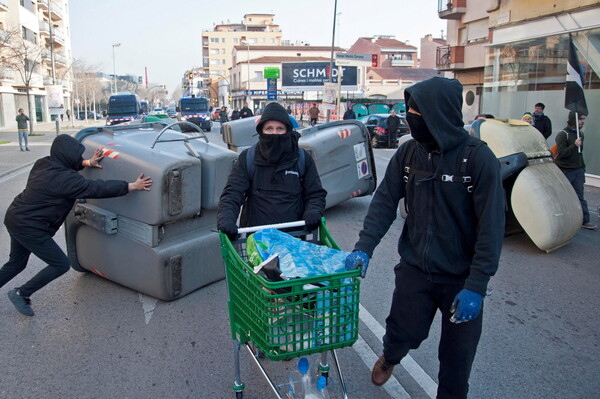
{"x":289,"y":110}
{"x":37,"y":213}
{"x":313,"y":112}
{"x":527,"y":117}
{"x":22,"y":128}
{"x":393,"y":124}
{"x":223,"y":114}
{"x":569,"y":158}
{"x":349,"y":114}
{"x":68,"y":113}
{"x":541,"y":121}
{"x":246,"y":112}
{"x":235,"y":114}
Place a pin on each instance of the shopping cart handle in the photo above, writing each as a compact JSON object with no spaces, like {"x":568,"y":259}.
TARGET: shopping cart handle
{"x":252,"y":229}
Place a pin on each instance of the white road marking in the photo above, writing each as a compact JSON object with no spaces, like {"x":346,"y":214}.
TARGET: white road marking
{"x":409,"y":364}
{"x":14,"y":173}
{"x":148,"y":305}
{"x":392,"y":387}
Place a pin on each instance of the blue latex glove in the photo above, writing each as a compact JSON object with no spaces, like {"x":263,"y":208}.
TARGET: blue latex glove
{"x":466,"y":306}
{"x":358,"y":259}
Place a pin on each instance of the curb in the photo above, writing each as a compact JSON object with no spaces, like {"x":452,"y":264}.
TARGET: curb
{"x":15,"y":170}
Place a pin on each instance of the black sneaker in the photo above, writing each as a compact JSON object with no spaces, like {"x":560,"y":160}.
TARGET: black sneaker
{"x":22,"y":303}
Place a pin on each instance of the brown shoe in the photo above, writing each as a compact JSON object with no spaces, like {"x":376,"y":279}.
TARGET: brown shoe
{"x":382,"y":371}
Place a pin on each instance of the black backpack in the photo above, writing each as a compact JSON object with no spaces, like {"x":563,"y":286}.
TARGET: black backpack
{"x":463,"y":178}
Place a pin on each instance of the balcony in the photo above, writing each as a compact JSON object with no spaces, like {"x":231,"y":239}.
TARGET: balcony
{"x":42,"y":4}
{"x":450,"y":57}
{"x":44,"y":28}
{"x":451,"y":9}
{"x":59,"y":58}
{"x":396,"y":62}
{"x":57,"y":11}
{"x":4,"y":5}
{"x":59,"y":35}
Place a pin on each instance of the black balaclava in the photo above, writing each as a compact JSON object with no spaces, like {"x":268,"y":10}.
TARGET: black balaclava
{"x":276,"y":148}
{"x":418,"y":127}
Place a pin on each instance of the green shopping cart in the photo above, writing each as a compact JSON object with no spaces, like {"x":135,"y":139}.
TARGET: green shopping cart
{"x":287,"y":319}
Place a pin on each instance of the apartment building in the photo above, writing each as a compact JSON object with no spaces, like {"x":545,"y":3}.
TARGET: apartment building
{"x":218,"y":44}
{"x":43,"y":25}
{"x":428,"y":51}
{"x":510,"y":55}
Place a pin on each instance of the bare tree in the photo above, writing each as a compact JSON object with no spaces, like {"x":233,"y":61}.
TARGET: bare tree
{"x":24,"y":56}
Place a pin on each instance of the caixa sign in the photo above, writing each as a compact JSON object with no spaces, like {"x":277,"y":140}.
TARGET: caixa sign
{"x":311,"y":76}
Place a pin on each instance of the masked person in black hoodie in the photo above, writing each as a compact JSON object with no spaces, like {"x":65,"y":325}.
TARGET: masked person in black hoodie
{"x":37,"y":213}
{"x":276,"y":191}
{"x":451,"y":240}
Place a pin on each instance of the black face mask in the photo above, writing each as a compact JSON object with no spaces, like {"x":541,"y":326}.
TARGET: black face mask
{"x":274,"y":147}
{"x":420,"y":131}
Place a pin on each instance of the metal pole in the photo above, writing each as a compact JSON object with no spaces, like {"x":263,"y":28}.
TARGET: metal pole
{"x":332,"y":47}
{"x":114,"y":72}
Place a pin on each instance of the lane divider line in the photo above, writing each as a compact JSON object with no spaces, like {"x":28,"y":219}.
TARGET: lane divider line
{"x":409,"y":364}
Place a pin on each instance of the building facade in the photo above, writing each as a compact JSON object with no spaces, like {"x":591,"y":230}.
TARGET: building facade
{"x":390,"y":52}
{"x":217,"y":46}
{"x":43,"y":26}
{"x":428,"y":51}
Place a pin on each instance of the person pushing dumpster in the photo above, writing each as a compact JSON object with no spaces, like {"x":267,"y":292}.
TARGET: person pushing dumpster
{"x":36,"y":214}
{"x":451,"y":240}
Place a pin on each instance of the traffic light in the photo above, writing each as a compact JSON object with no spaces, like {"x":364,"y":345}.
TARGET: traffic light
{"x":230,"y":98}
{"x":374,"y":60}
{"x":191,"y":75}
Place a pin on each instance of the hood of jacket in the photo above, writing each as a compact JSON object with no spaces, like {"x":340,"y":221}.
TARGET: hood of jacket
{"x":67,"y":151}
{"x":440,"y":103}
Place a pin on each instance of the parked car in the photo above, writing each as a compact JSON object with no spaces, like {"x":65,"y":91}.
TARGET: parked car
{"x":171,"y":112}
{"x":377,"y":126}
{"x":157,"y":111}
{"x":215,"y":114}
{"x":90,"y":115}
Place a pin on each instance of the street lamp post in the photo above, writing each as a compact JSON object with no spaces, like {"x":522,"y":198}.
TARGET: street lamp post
{"x":114,"y":68}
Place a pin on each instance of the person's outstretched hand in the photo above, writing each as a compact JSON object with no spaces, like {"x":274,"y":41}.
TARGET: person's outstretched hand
{"x":96,"y":158}
{"x":141,"y":184}
{"x":358,"y":259}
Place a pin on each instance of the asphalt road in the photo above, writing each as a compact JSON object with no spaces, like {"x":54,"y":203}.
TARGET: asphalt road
{"x":91,"y":338}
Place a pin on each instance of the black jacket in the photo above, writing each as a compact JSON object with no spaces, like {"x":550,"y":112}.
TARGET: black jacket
{"x":567,"y":154}
{"x":276,"y":194}
{"x":52,"y":188}
{"x":543,"y":124}
{"x":245,"y":112}
{"x":393,"y":124}
{"x":452,"y":235}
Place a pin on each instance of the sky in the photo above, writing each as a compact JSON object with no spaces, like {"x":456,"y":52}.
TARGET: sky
{"x":166,"y":36}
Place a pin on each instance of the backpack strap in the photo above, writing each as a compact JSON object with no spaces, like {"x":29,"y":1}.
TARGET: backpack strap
{"x":463,"y":177}
{"x":252,"y":153}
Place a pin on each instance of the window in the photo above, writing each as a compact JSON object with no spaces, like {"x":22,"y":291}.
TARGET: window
{"x":262,"y":39}
{"x":26,"y":4}
{"x":214,"y":62}
{"x":214,"y":51}
{"x":235,"y":40}
{"x":223,"y":40}
{"x":222,"y":51}
{"x":252,"y":40}
{"x":214,"y":40}
{"x":223,"y":62}
{"x":28,"y":34}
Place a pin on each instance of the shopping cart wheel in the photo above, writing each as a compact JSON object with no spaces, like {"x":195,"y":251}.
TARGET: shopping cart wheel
{"x":239,"y":395}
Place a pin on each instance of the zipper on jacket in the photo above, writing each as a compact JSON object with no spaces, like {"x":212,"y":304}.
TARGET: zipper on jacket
{"x":429,"y":219}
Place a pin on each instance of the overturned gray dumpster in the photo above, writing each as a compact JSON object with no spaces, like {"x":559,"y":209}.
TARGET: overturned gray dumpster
{"x":163,"y":242}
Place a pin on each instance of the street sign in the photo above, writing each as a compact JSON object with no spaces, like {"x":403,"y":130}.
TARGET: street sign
{"x":352,"y":59}
{"x":272,"y":73}
{"x":271,"y":89}
{"x":55,"y":99}
{"x":312,"y":75}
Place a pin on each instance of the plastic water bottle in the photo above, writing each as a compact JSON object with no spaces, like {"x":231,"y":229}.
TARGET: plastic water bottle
{"x":300,"y":378}
{"x":322,"y":387}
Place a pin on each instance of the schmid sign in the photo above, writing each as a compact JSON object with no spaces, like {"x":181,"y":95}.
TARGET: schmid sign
{"x":311,"y":76}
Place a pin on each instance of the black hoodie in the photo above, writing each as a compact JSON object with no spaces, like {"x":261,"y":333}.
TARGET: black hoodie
{"x":278,"y":192}
{"x":452,"y":235}
{"x":52,"y":188}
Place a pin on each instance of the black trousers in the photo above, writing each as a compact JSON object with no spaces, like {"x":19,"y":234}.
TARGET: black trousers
{"x":415,"y":302}
{"x":42,"y":246}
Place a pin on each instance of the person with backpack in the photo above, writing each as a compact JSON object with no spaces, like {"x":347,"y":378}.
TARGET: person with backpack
{"x":274,"y":181}
{"x":569,"y":158}
{"x":450,"y":242}
{"x":35,"y":215}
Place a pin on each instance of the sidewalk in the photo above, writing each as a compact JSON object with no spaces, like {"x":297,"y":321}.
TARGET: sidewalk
{"x":46,"y":127}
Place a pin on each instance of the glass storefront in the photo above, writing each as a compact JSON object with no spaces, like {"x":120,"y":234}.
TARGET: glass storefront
{"x":521,"y":74}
